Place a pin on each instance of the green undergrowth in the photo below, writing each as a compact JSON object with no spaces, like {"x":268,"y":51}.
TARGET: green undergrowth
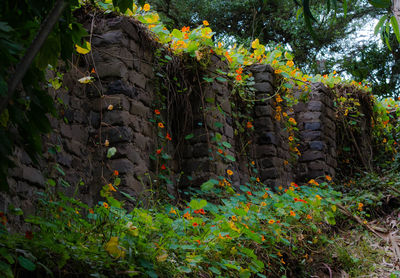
{"x":258,"y":233}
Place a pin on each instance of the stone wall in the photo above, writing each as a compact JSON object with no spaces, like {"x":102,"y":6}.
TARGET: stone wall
{"x":115,"y":111}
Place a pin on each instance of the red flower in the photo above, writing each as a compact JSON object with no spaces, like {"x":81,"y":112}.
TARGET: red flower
{"x":249,"y":193}
{"x":163,"y":167}
{"x":116,"y":173}
{"x":158,"y":151}
{"x":29,"y":235}
{"x":157,"y":112}
{"x":249,"y":125}
{"x":195,"y":224}
{"x":201,"y":211}
{"x":168,"y":137}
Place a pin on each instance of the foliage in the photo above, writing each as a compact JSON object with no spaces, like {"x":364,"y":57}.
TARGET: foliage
{"x":259,"y":231}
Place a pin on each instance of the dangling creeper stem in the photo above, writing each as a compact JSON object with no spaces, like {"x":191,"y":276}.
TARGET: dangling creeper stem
{"x":33,"y":49}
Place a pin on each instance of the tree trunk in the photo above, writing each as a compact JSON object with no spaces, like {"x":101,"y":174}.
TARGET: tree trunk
{"x":396,"y":10}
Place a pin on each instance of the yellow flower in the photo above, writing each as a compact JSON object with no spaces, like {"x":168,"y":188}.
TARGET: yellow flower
{"x":280,"y":187}
{"x":105,"y":205}
{"x":291,"y":138}
{"x":318,"y":197}
{"x":111,"y":187}
{"x":255,"y":43}
{"x":271,"y":221}
{"x":205,"y":23}
{"x":292,"y":121}
{"x":146,"y":7}
{"x":229,"y":172}
{"x":172,"y":210}
{"x":106,"y":143}
{"x":234,"y":218}
{"x":110,"y":107}
{"x":290,"y":63}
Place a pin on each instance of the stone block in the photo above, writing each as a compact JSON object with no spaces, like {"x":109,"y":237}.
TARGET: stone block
{"x":267,"y":138}
{"x":317,"y":145}
{"x":311,"y":135}
{"x":130,"y":29}
{"x":314,"y":105}
{"x":115,"y":69}
{"x":200,"y":150}
{"x":263,"y":110}
{"x":264,"y":87}
{"x":310,"y":117}
{"x":265,"y":151}
{"x":264,"y":123}
{"x":317,"y":165}
{"x":110,"y":38}
{"x":115,"y":117}
{"x":64,"y":159}
{"x":117,"y":134}
{"x":123,"y":165}
{"x":270,"y":173}
{"x":312,"y":155}
{"x":73,"y":147}
{"x":228,"y":130}
{"x":29,"y":174}
{"x":260,"y":68}
{"x":138,"y":109}
{"x":120,"y":87}
{"x":260,"y":77}
{"x":313,"y":126}
{"x":138,"y":79}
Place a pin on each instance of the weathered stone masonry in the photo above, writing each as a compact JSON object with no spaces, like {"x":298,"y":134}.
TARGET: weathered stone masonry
{"x":123,"y":58}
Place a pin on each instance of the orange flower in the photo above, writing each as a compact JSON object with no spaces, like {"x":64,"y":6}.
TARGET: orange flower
{"x":290,"y":63}
{"x":263,"y":204}
{"x":257,"y":179}
{"x":262,"y":238}
{"x":239,"y":71}
{"x":116,"y":173}
{"x":205,"y":23}
{"x":238,"y":77}
{"x":318,"y":197}
{"x":253,"y":163}
{"x":234,"y":218}
{"x":146,"y":7}
{"x":229,"y":172}
{"x":309,"y":216}
{"x":292,"y":213}
{"x":168,"y":137}
{"x":160,"y":125}
{"x":198,"y":241}
{"x":328,"y":178}
{"x":249,"y":125}
{"x":157,"y":112}
{"x":111,"y":187}
{"x":271,"y":221}
{"x":105,"y":205}
{"x":91,"y":211}
{"x":220,"y":151}
{"x":185,"y":29}
{"x":92,"y":71}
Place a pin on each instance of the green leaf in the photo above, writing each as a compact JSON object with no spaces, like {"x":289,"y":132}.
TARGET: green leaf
{"x":189,"y":136}
{"x":380,"y":3}
{"x":221,"y":79}
{"x":231,"y":158}
{"x":380,"y":24}
{"x":177,"y":34}
{"x":395,"y":26}
{"x":226,"y":144}
{"x":209,"y":80}
{"x":26,"y":263}
{"x":218,"y":125}
{"x":123,"y":5}
{"x":214,"y":270}
{"x":197,"y":204}
{"x":111,"y":152}
{"x":208,"y":185}
{"x":168,"y":57}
